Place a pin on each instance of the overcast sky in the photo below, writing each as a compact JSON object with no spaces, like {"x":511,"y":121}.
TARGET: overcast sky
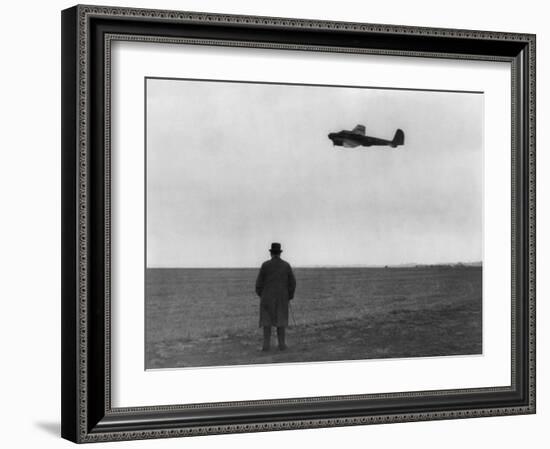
{"x":232,"y":167}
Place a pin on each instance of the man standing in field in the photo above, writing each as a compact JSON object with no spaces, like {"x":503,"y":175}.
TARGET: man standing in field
{"x":275,"y":286}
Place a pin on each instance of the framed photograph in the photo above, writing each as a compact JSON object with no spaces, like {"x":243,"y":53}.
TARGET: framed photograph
{"x":276,"y":224}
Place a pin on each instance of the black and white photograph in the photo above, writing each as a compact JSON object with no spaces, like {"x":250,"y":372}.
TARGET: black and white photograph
{"x":294,"y":223}
{"x":282,"y":220}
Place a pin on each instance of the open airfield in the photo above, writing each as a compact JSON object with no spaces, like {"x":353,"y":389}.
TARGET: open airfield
{"x":209,"y":317}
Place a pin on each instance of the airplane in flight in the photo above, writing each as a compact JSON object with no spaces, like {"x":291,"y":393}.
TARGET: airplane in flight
{"x":357,"y":137}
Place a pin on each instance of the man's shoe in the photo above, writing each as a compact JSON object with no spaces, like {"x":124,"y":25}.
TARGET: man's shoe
{"x":283,"y":347}
{"x":266,"y":348}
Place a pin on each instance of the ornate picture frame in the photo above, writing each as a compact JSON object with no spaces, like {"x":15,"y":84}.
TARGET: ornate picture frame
{"x":88,"y":414}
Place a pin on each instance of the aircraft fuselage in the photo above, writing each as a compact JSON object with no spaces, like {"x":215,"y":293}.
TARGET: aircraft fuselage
{"x":351,"y":139}
{"x":357,"y":137}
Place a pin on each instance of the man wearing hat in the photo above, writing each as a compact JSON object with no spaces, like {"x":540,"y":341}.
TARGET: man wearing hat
{"x":275,"y":286}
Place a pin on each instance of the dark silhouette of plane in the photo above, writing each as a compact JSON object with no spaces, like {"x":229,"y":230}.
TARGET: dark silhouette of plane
{"x":356,"y":137}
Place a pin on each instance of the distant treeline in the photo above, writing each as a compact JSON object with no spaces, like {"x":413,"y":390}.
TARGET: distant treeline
{"x":438,"y":265}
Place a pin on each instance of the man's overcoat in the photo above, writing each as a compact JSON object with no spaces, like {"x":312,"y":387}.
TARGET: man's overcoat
{"x":275,"y":286}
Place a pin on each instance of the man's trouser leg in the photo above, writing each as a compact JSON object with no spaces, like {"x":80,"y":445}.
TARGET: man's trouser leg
{"x":281,"y":337}
{"x":267,"y":338}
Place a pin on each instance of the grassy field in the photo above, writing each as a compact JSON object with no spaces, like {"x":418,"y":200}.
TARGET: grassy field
{"x":209,"y":317}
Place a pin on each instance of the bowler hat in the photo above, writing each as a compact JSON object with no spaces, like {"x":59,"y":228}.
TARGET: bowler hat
{"x":275,"y":248}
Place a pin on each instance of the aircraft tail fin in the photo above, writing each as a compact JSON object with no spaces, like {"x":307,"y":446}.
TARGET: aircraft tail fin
{"x":398,"y":138}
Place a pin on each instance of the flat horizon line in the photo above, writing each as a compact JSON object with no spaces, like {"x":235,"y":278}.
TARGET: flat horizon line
{"x":401,"y":265}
